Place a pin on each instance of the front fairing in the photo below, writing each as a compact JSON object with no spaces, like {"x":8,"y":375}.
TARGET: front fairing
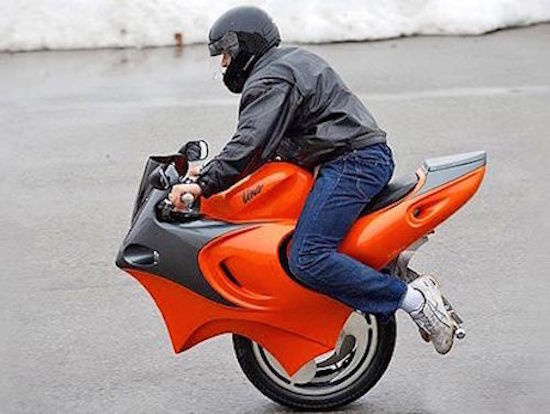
{"x":179,"y":264}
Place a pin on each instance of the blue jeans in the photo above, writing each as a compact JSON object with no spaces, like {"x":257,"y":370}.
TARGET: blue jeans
{"x":342,"y":189}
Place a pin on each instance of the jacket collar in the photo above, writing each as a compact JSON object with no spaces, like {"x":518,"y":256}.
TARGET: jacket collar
{"x":264,"y":60}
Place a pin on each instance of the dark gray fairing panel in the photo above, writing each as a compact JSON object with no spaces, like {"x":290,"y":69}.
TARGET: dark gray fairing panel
{"x":176,"y":245}
{"x":441,"y":170}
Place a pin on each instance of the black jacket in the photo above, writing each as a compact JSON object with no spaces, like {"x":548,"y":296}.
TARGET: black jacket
{"x":295,"y":106}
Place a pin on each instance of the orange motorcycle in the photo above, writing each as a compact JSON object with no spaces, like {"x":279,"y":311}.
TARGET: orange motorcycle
{"x":221,"y":267}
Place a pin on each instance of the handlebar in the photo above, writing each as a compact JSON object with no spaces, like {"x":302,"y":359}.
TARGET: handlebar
{"x":187,"y":199}
{"x":167,"y":212}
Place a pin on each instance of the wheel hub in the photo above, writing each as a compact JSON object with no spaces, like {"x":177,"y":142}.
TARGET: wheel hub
{"x":334,"y":370}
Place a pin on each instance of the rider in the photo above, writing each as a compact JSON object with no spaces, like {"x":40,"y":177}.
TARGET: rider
{"x":294,"y":106}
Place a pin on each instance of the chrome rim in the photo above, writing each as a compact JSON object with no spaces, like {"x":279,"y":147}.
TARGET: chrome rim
{"x":333,"y":371}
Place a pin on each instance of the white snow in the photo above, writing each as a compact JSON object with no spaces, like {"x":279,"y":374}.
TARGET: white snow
{"x":68,"y":24}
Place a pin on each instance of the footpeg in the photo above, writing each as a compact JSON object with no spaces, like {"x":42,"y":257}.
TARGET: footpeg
{"x":460,"y":332}
{"x":402,"y":271}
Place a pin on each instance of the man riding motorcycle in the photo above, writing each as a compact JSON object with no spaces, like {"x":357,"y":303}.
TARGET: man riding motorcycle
{"x":295,"y":107}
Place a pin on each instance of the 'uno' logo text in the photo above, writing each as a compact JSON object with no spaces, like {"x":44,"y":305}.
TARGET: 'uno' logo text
{"x":251,"y":193}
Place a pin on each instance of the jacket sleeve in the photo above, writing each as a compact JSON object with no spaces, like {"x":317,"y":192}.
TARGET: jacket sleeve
{"x":265,"y":113}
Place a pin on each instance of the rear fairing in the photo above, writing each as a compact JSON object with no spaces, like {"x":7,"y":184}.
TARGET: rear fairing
{"x":214,"y":276}
{"x":376,"y":239}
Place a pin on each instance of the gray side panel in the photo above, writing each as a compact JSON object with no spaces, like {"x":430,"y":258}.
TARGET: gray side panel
{"x":177,"y":246}
{"x":444,"y":169}
{"x":456,"y":160}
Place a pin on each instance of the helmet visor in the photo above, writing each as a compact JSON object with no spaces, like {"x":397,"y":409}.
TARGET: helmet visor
{"x":229,"y":42}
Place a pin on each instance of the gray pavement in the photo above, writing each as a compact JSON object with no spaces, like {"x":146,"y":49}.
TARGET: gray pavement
{"x":79,"y":336}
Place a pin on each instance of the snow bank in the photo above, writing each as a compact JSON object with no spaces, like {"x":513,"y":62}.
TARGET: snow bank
{"x":67,"y":24}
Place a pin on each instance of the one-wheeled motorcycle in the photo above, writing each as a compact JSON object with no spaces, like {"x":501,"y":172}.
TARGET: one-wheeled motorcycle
{"x":221,"y":266}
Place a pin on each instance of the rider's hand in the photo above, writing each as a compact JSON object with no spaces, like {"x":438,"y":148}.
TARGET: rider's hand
{"x":181,"y":189}
{"x":195,"y":171}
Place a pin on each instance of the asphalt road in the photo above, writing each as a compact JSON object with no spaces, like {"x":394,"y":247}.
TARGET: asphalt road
{"x":79,"y":336}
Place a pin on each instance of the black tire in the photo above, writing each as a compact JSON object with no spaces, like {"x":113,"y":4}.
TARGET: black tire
{"x":378,"y":365}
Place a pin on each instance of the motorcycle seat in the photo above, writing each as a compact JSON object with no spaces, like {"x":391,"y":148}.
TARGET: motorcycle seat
{"x":394,"y":191}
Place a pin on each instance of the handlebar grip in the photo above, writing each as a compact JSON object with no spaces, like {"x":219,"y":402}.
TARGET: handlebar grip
{"x":187,"y":199}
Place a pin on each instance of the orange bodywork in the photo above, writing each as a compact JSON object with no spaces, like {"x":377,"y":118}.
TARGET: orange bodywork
{"x":292,"y":322}
{"x":277,"y":191}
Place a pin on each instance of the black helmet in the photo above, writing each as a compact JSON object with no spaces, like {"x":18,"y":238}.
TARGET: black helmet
{"x":246,"y":33}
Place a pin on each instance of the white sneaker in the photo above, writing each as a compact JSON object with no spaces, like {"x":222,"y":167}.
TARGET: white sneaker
{"x":432,"y":318}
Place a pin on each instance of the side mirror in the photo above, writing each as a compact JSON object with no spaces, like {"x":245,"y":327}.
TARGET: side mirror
{"x":158,"y":179}
{"x":195,"y":150}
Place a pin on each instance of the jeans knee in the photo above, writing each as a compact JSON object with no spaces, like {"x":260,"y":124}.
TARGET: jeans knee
{"x":293,"y":263}
{"x":303,"y":267}
{"x":301,"y":273}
